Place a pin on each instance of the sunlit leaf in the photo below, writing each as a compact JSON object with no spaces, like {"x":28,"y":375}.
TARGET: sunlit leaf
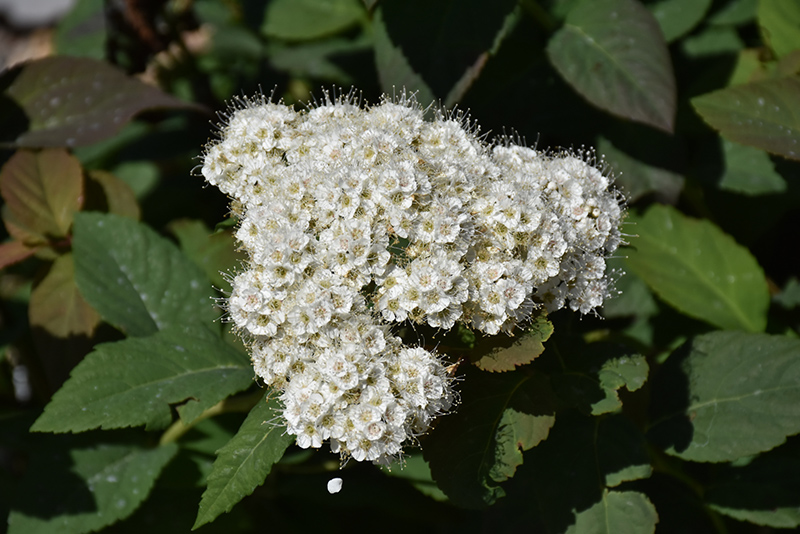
{"x":779,"y":22}
{"x":571,"y":471}
{"x":135,"y":381}
{"x":244,"y":463}
{"x":629,"y":372}
{"x":700,"y":270}
{"x":136,"y":279}
{"x":504,"y":353}
{"x":57,"y":306}
{"x":619,"y":512}
{"x":613,"y":54}
{"x":726,"y":395}
{"x":87,"y":489}
{"x":72,"y":101}
{"x":475,"y":449}
{"x":764,"y":114}
{"x":42,"y":191}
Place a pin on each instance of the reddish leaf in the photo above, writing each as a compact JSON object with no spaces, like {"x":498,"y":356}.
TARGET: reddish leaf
{"x":72,"y":101}
{"x":42,"y":191}
{"x":118,"y":196}
{"x":56,"y":304}
{"x":14,"y":252}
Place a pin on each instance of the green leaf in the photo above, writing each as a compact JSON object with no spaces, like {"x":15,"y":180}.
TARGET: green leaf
{"x":244,"y":463}
{"x":749,"y":170}
{"x":72,"y":101}
{"x":42,"y":191}
{"x":698,"y":269}
{"x":613,"y":54}
{"x":214,"y":252}
{"x":764,"y":114}
{"x":505,"y":353}
{"x":57,"y":306}
{"x":764,"y":492}
{"x":136,"y":279}
{"x":395,"y":73}
{"x":430,"y":53}
{"x":106,"y":483}
{"x":135,"y":381}
{"x":789,"y":297}
{"x":634,"y":299}
{"x":318,"y":60}
{"x":726,"y":395}
{"x":779,"y":22}
{"x":117,"y":196}
{"x":572,"y":469}
{"x":678,"y":17}
{"x":82,"y":32}
{"x":629,"y":372}
{"x":298,"y":20}
{"x":619,"y":512}
{"x":735,"y":13}
{"x":474,"y":450}
{"x":415,"y":469}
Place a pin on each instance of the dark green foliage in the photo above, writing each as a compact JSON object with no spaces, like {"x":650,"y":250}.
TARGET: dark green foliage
{"x":126,"y":405}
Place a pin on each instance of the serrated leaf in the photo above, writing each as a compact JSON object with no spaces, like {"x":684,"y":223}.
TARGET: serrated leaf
{"x":581,"y":458}
{"x":763,"y":114}
{"x":429,"y":54}
{"x":779,"y":22}
{"x":505,"y":353}
{"x":72,"y":101}
{"x":42,"y":191}
{"x":106,"y":483}
{"x":57,"y":306}
{"x":244,"y":463}
{"x":629,"y":372}
{"x":764,"y":492}
{"x":698,"y":269}
{"x":726,"y":395}
{"x":137,"y":280}
{"x":613,"y":54}
{"x":480,"y":446}
{"x":135,"y":381}
{"x":118,"y":196}
{"x":299,"y":20}
{"x":678,"y":17}
{"x":214,"y":252}
{"x":619,"y":512}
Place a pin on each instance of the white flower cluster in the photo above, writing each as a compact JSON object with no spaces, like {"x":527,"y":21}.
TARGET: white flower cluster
{"x":350,"y":215}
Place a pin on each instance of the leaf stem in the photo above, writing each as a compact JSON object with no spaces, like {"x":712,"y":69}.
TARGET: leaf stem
{"x":240,"y":404}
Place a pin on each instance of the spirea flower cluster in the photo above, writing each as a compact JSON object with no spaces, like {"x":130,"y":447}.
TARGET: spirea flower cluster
{"x":354,"y":218}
